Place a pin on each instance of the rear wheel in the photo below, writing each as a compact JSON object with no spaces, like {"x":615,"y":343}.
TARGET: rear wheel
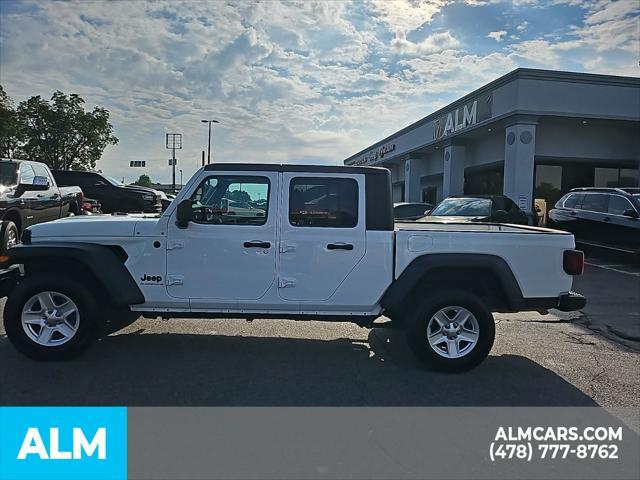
{"x":51,"y":317}
{"x":450,"y":330}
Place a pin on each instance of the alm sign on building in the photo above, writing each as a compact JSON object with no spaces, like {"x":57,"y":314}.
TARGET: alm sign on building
{"x":469,"y":114}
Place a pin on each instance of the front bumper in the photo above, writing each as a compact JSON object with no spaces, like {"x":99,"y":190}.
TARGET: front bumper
{"x":151,"y":207}
{"x":572,"y":301}
{"x":8,"y":278}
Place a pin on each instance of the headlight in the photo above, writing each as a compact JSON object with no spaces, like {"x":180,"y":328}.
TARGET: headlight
{"x":148,"y":197}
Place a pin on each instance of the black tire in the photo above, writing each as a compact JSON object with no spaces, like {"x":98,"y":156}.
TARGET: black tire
{"x":8,"y":229}
{"x":42,"y":282}
{"x":417,"y":323}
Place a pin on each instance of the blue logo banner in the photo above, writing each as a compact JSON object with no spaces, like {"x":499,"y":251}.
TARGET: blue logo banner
{"x":63,"y":443}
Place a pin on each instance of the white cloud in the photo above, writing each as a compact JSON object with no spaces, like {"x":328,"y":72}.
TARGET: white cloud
{"x":290,"y":82}
{"x":436,"y":42}
{"x":404,"y":16}
{"x":497,"y":36}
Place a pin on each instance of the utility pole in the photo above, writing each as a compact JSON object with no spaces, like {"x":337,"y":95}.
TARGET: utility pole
{"x":174,"y":142}
{"x":209,"y":143}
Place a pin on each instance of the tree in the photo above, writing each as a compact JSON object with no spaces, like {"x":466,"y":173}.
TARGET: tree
{"x":144,"y":181}
{"x":62,"y":134}
{"x":10,"y":135}
{"x":238,"y":196}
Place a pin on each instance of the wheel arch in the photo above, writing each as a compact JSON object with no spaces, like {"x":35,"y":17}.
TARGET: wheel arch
{"x":14,"y":216}
{"x":102,"y":266}
{"x":479,"y":273}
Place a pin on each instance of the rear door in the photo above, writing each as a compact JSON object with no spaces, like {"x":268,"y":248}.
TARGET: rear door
{"x":49,"y":199}
{"x":29,"y":204}
{"x":593,"y":217}
{"x":624,"y":230}
{"x":322,"y":233}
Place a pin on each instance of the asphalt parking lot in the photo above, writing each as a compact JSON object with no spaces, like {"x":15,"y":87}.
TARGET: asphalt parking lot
{"x":553,"y":360}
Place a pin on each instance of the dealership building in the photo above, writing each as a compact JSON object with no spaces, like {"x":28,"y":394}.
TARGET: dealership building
{"x":531,"y":134}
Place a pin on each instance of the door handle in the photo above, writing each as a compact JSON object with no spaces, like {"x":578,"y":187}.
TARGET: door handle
{"x":340,"y":246}
{"x":606,"y":219}
{"x":572,"y":213}
{"x":257,"y":244}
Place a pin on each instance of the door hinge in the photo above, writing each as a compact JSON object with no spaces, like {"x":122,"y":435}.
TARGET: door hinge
{"x":287,"y":247}
{"x":173,"y":244}
{"x":175,"y":279}
{"x":286,"y":282}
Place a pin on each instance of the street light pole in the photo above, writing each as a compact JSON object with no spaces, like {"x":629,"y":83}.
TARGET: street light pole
{"x":209,"y":142}
{"x":180,"y":179}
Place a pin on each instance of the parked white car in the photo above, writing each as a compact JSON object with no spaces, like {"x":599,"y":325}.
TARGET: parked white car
{"x":326,"y":248}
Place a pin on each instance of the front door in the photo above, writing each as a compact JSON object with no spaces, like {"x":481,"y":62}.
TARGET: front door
{"x":227,"y":253}
{"x":322,"y":235}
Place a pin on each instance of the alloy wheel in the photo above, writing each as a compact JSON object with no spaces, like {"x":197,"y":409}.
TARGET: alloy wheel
{"x":50,"y":318}
{"x":453,"y":332}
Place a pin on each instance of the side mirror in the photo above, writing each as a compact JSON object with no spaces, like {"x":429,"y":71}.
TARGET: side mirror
{"x":39,"y":184}
{"x":630,"y":212}
{"x":184,"y":213}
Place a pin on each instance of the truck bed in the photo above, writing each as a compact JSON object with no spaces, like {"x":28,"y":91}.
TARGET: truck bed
{"x":534,"y":254}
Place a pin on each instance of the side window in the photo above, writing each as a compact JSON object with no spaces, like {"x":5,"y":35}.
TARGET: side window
{"x":98,"y":181}
{"x":231,"y":200}
{"x":323,"y":202}
{"x":570,"y":201}
{"x":618,"y":205}
{"x":26,"y":174}
{"x":40,"y":171}
{"x":595,"y":202}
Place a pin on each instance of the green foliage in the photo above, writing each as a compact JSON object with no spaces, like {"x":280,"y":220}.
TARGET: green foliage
{"x":238,"y":196}
{"x":144,"y":181}
{"x":10,"y":135}
{"x":59,"y":132}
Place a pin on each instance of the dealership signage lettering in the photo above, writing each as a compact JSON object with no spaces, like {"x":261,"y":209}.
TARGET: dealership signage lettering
{"x":371,"y":157}
{"x":462,"y":117}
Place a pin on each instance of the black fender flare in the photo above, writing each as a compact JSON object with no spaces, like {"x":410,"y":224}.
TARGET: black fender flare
{"x":420,"y":267}
{"x":105,"y":265}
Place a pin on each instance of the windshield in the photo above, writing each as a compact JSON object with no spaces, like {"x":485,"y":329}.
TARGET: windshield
{"x":8,"y":174}
{"x":113,"y":181}
{"x":463,"y":207}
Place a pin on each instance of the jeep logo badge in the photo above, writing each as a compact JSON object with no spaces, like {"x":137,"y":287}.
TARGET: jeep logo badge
{"x":151,"y":279}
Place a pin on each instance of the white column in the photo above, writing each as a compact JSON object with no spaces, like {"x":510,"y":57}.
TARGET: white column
{"x":412,"y":172}
{"x":519,"y":162}
{"x":453,"y":173}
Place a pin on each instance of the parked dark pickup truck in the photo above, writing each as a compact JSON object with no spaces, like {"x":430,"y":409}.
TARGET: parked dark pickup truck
{"x":29,"y":195}
{"x":112,"y":195}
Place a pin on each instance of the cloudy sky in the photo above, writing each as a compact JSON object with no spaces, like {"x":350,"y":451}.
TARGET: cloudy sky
{"x":303,"y":82}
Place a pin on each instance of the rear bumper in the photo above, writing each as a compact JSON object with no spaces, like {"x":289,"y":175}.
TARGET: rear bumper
{"x":569,"y":302}
{"x":565,"y":302}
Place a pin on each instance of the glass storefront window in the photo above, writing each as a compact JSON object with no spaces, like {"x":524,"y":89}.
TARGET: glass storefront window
{"x":484,"y":182}
{"x":629,"y":177}
{"x":606,"y":177}
{"x":615,"y":177}
{"x":548,"y":183}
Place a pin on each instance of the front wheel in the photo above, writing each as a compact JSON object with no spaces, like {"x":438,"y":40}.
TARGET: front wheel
{"x":450,"y":330}
{"x":50,"y":317}
{"x":9,"y":236}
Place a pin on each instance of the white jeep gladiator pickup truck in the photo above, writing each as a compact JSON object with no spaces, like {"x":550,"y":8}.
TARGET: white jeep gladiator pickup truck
{"x":321,"y":244}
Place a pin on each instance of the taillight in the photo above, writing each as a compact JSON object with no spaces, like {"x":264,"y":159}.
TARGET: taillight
{"x":573,"y":262}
